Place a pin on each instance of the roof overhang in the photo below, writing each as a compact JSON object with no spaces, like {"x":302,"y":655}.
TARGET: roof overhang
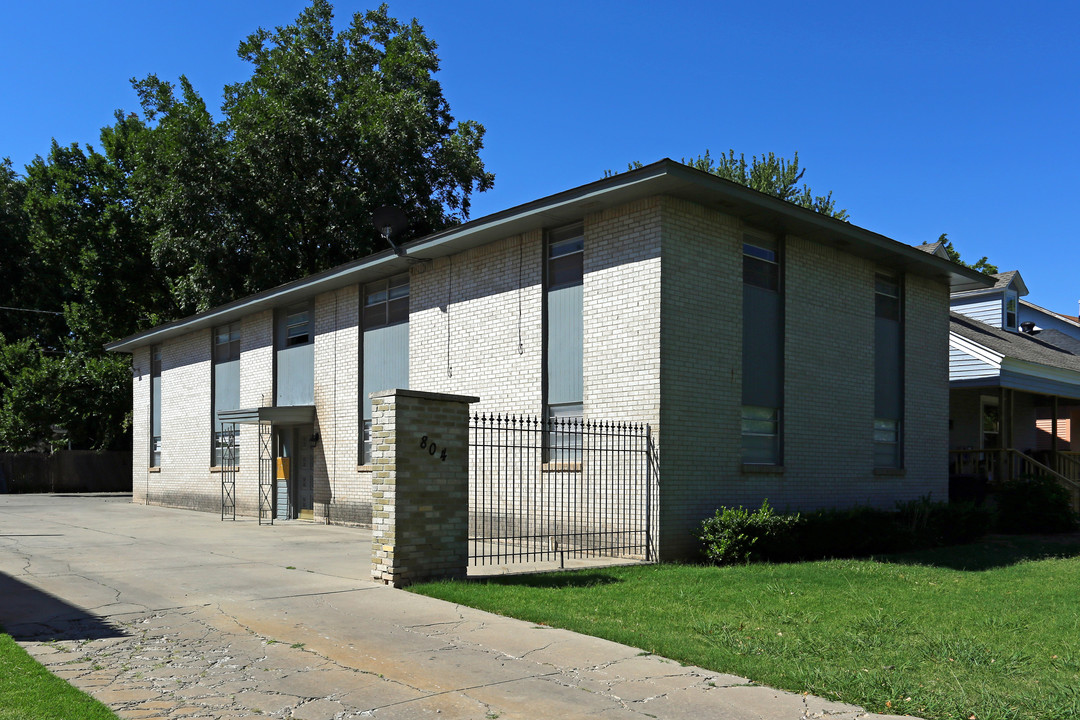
{"x":1014,"y":373}
{"x":287,"y":415}
{"x":665,"y":177}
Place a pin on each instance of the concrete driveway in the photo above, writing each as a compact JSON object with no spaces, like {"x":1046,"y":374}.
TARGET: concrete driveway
{"x":166,"y":613}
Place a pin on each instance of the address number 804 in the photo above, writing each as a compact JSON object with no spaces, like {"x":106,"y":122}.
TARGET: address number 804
{"x":432,"y":448}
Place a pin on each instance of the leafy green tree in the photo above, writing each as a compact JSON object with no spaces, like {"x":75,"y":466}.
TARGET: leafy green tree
{"x":83,"y":250}
{"x":85,"y":232}
{"x":184,"y":188}
{"x":982,"y":264}
{"x":329,"y":127}
{"x":26,"y":289}
{"x":770,"y":174}
{"x":52,"y":400}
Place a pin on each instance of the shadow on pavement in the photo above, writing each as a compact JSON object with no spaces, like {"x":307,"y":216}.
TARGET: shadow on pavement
{"x":29,"y":614}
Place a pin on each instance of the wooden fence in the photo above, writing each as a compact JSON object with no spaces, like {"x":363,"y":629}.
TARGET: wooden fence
{"x":65,"y":471}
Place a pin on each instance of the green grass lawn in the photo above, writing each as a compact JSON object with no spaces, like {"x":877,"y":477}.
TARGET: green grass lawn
{"x":29,"y":692}
{"x":990,"y":631}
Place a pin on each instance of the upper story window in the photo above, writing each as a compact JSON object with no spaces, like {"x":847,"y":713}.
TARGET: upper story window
{"x":761,"y":263}
{"x":386,"y":302}
{"x":294,"y":355}
{"x":886,"y":297}
{"x":566,"y":253}
{"x":1010,"y":311}
{"x":227,"y":343}
{"x":298,"y":328}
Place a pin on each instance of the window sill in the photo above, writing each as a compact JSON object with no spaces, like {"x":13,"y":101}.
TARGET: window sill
{"x":889,"y":472}
{"x":224,"y":468}
{"x":561,"y":467}
{"x":154,"y":469}
{"x":365,"y":468}
{"x":752,"y":469}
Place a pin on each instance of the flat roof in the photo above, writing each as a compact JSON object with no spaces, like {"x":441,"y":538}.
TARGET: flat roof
{"x":666,"y":177}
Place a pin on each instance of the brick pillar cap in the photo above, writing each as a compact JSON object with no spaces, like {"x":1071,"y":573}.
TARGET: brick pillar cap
{"x":445,"y":397}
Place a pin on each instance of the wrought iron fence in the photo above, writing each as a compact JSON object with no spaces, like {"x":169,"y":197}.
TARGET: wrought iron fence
{"x":543,"y":490}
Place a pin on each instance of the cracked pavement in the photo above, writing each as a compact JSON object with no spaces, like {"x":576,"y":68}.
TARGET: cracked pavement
{"x":164,"y":613}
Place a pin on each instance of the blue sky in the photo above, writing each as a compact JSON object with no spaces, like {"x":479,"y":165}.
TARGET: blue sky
{"x":922,"y":118}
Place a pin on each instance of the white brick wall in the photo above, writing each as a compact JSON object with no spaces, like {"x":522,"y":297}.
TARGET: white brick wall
{"x":701,"y":336}
{"x":140,"y":424}
{"x":342,"y":493}
{"x":621,"y":300}
{"x":828,"y":380}
{"x":487,"y":309}
{"x":184,"y":480}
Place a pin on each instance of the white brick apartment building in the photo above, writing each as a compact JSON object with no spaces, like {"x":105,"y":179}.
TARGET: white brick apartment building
{"x":776,"y":353}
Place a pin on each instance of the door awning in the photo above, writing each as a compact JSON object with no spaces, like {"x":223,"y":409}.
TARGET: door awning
{"x":288,"y":415}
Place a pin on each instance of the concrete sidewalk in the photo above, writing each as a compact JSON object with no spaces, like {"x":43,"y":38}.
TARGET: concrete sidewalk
{"x":166,"y":613}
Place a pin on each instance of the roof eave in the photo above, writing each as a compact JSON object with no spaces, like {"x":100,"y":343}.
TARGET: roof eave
{"x":665,"y":177}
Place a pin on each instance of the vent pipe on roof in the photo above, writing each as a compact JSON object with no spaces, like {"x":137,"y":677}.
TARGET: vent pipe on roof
{"x":1027,"y":327}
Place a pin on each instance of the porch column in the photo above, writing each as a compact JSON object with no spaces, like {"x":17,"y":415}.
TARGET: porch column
{"x":1004,"y":433}
{"x":420,"y":486}
{"x":1054,"y":432}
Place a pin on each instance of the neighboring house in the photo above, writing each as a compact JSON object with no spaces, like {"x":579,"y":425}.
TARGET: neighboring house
{"x":775,"y":352}
{"x":1014,"y":371}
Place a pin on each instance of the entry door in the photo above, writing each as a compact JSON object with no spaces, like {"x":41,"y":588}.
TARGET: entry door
{"x":283,"y":474}
{"x":304,"y":474}
{"x":990,"y":436}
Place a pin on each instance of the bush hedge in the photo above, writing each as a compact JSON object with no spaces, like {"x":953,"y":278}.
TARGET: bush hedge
{"x":1034,"y":504}
{"x":738,"y":535}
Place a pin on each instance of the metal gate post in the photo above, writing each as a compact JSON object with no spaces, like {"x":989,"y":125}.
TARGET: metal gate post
{"x":648,"y":493}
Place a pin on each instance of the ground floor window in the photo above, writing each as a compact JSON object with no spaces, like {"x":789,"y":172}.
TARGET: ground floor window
{"x":228,"y":436}
{"x":760,"y":435}
{"x":886,"y":443}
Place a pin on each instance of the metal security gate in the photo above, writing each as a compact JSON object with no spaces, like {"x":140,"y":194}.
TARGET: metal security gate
{"x":548,"y":490}
{"x":266,"y":473}
{"x":230,"y":461}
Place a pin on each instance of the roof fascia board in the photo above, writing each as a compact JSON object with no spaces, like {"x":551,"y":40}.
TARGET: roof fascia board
{"x":979,"y":382}
{"x":286,"y":294}
{"x":975,"y":350}
{"x":494,"y":224}
{"x":665,"y":177}
{"x":1044,"y":372}
{"x":963,"y":294}
{"x":822,"y":228}
{"x":1051,"y":313}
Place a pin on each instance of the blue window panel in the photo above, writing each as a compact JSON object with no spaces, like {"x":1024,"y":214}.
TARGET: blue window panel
{"x":566,"y":340}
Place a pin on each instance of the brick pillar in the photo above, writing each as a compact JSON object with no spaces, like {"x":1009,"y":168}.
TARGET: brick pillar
{"x":420,"y":486}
